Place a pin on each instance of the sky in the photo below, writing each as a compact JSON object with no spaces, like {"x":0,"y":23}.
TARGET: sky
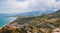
{"x":21,"y":6}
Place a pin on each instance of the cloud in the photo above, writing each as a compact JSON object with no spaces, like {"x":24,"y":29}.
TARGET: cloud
{"x":11,"y":6}
{"x":19,"y":6}
{"x":45,"y":5}
{"x":58,"y":5}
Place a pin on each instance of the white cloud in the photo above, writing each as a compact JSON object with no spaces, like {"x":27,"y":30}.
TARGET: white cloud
{"x":16,"y":7}
{"x":46,"y":4}
{"x":15,"y":4}
{"x":58,"y":5}
{"x":12,"y":6}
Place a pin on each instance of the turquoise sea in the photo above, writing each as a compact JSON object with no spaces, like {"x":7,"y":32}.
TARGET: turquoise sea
{"x":5,"y":20}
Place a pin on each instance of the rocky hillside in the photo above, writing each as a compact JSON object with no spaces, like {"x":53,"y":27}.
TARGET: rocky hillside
{"x":38,"y":24}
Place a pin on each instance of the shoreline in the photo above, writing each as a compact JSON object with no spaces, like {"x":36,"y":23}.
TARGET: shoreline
{"x":8,"y":23}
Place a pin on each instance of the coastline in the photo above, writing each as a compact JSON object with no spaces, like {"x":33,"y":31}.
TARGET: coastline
{"x":9,"y":22}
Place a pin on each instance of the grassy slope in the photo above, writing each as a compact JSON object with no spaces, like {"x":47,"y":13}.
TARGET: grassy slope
{"x":53,"y":18}
{"x":39,"y":23}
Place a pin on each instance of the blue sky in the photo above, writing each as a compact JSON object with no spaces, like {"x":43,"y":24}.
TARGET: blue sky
{"x":57,"y":0}
{"x":20,"y":6}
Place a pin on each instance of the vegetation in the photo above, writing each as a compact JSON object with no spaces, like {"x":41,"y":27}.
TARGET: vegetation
{"x":38,"y":24}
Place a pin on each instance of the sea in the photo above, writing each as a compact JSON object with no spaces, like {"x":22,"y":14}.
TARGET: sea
{"x":5,"y":20}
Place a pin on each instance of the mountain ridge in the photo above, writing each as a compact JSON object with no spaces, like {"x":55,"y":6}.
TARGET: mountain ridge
{"x":39,"y":24}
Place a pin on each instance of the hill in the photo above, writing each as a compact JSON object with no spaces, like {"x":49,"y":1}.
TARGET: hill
{"x":37,"y":24}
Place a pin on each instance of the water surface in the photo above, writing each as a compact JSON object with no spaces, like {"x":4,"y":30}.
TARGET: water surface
{"x":6,"y":20}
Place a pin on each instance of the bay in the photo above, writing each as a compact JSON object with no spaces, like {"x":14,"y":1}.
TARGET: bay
{"x":6,"y":20}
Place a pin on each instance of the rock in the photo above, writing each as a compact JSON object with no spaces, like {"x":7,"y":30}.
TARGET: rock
{"x":56,"y":30}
